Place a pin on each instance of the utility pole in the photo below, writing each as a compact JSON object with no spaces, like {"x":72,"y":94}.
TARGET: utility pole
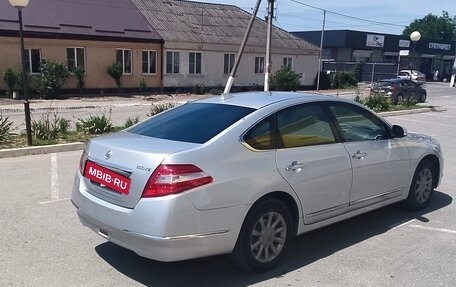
{"x":268,"y":45}
{"x":230,"y":81}
{"x":321,"y":50}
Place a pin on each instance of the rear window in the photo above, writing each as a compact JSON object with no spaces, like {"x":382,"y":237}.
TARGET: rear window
{"x":194,"y":122}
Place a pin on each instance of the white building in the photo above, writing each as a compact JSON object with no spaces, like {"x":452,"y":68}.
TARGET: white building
{"x":202,"y":39}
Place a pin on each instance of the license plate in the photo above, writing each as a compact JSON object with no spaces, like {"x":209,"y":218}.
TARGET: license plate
{"x":107,"y":177}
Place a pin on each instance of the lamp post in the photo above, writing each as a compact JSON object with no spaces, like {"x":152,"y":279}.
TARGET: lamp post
{"x":19,"y":5}
{"x":414,"y":37}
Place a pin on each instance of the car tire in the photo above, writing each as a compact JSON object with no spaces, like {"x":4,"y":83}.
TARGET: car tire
{"x":265,"y":236}
{"x":399,"y":99}
{"x":422,"y":187}
{"x":422,"y":97}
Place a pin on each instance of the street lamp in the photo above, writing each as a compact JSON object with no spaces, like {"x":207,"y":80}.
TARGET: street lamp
{"x":414,"y":37}
{"x":19,"y":5}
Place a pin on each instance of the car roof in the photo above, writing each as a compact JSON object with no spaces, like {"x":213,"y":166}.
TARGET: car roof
{"x":392,"y":80}
{"x":258,"y":99}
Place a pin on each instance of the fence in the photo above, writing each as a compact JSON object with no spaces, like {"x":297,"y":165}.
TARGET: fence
{"x":370,"y":72}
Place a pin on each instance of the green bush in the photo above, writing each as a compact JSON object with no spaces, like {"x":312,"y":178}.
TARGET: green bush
{"x":325,"y":81}
{"x":285,"y":79}
{"x":215,"y":92}
{"x":79,"y":73}
{"x":199,"y":89}
{"x":95,"y":125}
{"x":115,"y":71}
{"x":131,"y":121}
{"x":11,"y":79}
{"x":158,"y":108}
{"x":5,"y":130}
{"x":142,"y":85}
{"x":50,"y":128}
{"x":344,"y":80}
{"x":53,"y":75}
{"x":376,"y":101}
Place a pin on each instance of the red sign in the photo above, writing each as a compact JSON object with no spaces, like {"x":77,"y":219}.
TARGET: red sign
{"x":107,"y":177}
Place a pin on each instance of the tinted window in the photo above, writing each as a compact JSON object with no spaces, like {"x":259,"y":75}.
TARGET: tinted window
{"x":261,"y":136}
{"x":303,"y":125}
{"x":358,"y":124}
{"x":195,"y":122}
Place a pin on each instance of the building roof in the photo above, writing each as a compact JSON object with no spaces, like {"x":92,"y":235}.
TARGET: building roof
{"x":207,"y":23}
{"x":88,"y":19}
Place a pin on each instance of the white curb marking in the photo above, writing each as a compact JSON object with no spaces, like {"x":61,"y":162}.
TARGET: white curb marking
{"x":433,"y":228}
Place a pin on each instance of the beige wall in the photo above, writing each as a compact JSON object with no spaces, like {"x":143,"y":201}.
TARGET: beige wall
{"x":99,"y":55}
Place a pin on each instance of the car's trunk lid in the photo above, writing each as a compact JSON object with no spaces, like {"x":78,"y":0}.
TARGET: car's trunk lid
{"x":125,"y":157}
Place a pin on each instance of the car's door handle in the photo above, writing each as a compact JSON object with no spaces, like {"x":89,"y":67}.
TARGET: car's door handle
{"x":295,"y":166}
{"x":359,"y":155}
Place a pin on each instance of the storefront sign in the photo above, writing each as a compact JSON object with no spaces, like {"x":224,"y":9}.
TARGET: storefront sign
{"x":375,"y":40}
{"x":440,"y":46}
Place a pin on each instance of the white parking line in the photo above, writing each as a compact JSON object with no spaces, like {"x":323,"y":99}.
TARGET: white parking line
{"x":400,"y":225}
{"x":54,"y":177}
{"x":432,"y":228}
{"x":53,"y":201}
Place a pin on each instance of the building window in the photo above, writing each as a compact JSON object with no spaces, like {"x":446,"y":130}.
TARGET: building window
{"x":288,"y":62}
{"x":194,"y":63}
{"x":123,"y":57}
{"x":75,"y":58}
{"x":172,"y":62}
{"x":228,"y":63}
{"x":32,"y":60}
{"x":149,"y":62}
{"x":259,"y":65}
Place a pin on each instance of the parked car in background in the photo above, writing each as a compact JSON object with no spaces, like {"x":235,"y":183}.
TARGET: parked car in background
{"x":399,"y":90}
{"x":414,"y":75}
{"x":245,"y":173}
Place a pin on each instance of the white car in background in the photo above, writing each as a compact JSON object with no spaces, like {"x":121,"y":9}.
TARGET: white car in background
{"x":416,"y":76}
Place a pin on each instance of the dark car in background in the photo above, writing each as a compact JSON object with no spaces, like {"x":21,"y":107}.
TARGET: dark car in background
{"x":400,"y":90}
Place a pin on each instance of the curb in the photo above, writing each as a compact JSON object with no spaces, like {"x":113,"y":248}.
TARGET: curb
{"x":16,"y":152}
{"x":34,"y":150}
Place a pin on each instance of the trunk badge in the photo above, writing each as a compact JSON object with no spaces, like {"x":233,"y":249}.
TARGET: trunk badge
{"x":108,"y":155}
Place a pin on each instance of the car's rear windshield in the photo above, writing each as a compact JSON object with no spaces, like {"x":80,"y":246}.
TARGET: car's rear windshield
{"x":193,"y":122}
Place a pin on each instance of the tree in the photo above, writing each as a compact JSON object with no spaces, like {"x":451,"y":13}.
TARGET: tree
{"x":434,"y":27}
{"x":285,"y":79}
{"x":115,"y":71}
{"x":53,"y":76}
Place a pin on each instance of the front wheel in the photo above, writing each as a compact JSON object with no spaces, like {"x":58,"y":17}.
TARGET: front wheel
{"x":423,"y":97}
{"x":264,"y":237}
{"x":422,"y":187}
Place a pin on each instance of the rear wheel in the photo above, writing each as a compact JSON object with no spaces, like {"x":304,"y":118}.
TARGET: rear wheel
{"x":422,"y":187}
{"x":265,"y":236}
{"x":422,"y":97}
{"x":399,"y":99}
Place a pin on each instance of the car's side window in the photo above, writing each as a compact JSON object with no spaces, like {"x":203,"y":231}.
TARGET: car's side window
{"x":261,"y":136}
{"x":358,"y":124}
{"x":303,"y":125}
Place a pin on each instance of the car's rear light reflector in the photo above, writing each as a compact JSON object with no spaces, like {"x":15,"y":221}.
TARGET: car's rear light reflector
{"x":175,"y":178}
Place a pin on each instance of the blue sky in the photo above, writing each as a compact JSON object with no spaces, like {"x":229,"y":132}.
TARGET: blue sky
{"x":293,"y":16}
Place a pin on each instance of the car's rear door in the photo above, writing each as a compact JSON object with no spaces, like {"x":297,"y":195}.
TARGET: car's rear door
{"x":313,"y":162}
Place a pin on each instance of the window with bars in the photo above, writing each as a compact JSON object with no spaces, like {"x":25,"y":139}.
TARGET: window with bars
{"x":172,"y":62}
{"x":259,"y":65}
{"x":123,"y":56}
{"x":194,"y":63}
{"x":149,"y":62}
{"x":75,"y":58}
{"x":228,"y":63}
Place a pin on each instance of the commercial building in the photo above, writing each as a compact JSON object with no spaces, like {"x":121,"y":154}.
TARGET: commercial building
{"x":426,"y":55}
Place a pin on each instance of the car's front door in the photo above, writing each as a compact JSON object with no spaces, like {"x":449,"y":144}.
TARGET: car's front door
{"x":313,"y":162}
{"x":380,"y":162}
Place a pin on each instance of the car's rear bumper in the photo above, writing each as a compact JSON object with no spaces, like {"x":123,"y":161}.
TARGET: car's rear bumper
{"x":161,"y":229}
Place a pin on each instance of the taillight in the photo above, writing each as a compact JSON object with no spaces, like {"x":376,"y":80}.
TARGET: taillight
{"x":392,"y":88}
{"x":175,"y":178}
{"x":82,"y":162}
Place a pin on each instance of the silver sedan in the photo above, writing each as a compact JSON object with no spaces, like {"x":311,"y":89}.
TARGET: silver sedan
{"x":245,"y":173}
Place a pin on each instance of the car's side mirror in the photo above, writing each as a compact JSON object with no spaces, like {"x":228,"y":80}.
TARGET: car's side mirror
{"x":399,"y":131}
